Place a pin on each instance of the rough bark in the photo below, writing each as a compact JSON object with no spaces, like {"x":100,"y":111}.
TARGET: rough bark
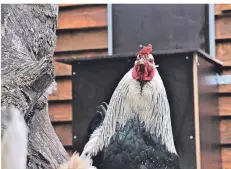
{"x":28,"y":42}
{"x":50,"y":152}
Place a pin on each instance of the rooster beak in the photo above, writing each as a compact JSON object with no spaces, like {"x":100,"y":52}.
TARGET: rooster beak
{"x":141,"y":65}
{"x":141,"y":62}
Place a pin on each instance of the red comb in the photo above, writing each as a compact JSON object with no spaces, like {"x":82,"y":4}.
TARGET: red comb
{"x":146,"y":50}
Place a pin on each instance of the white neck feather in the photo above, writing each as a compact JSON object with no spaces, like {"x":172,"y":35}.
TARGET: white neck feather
{"x":127,"y":101}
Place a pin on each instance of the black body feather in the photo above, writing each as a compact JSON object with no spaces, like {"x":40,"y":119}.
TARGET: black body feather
{"x":132,"y":147}
{"x":96,"y":121}
{"x":135,"y":148}
{"x":98,"y":117}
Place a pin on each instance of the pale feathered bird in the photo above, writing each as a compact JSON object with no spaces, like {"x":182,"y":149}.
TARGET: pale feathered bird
{"x":136,"y":132}
{"x":14,"y":140}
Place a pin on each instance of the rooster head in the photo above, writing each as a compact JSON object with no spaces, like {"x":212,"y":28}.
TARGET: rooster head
{"x":144,"y":67}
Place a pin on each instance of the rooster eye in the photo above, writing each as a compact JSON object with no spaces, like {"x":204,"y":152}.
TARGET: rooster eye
{"x":151,"y":60}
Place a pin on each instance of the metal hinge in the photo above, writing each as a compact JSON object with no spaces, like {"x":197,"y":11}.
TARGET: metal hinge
{"x":223,"y":79}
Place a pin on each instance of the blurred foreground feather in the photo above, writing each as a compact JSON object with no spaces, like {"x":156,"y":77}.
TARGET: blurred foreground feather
{"x":77,"y":162}
{"x":14,"y":141}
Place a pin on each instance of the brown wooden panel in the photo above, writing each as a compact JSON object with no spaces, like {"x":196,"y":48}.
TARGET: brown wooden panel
{"x":62,"y":69}
{"x":64,"y":90}
{"x":217,"y":8}
{"x":81,"y":40}
{"x":223,"y":27}
{"x":223,"y":51}
{"x":227,"y":63}
{"x":226,"y":7}
{"x":60,"y":111}
{"x":78,"y":54}
{"x":64,"y":132}
{"x":225,"y":89}
{"x":225,"y":105}
{"x":65,"y":5}
{"x":208,"y":126}
{"x":76,"y":18}
{"x":226,"y":157}
{"x":196,"y":111}
{"x":225,"y":131}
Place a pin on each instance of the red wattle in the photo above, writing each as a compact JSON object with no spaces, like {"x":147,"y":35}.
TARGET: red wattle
{"x":147,"y":75}
{"x":136,"y":73}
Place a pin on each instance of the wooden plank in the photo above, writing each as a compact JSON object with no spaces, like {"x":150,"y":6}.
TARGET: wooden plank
{"x":217,"y":9}
{"x":227,"y":64}
{"x":223,"y":27}
{"x":64,"y":132}
{"x":77,"y":18}
{"x":225,"y":131}
{"x":225,"y":105}
{"x":68,"y":5}
{"x":62,"y":69}
{"x":80,"y":54}
{"x":225,"y":89}
{"x":225,"y":156}
{"x":60,"y":111}
{"x":226,"y":7}
{"x":223,"y":51}
{"x":64,"y":90}
{"x":196,"y":111}
{"x":81,"y":40}
{"x":208,"y":109}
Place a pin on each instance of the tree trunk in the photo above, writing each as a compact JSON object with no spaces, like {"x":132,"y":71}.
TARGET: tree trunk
{"x":28,"y":43}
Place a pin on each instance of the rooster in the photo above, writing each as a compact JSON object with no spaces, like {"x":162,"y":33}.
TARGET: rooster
{"x":136,"y":132}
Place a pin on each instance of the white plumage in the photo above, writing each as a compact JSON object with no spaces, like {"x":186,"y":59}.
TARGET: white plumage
{"x":14,"y":141}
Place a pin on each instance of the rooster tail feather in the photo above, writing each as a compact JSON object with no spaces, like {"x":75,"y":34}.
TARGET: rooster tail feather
{"x":14,"y":140}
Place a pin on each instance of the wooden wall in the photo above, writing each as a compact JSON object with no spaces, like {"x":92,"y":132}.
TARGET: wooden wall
{"x":223,"y":48}
{"x":82,"y":32}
